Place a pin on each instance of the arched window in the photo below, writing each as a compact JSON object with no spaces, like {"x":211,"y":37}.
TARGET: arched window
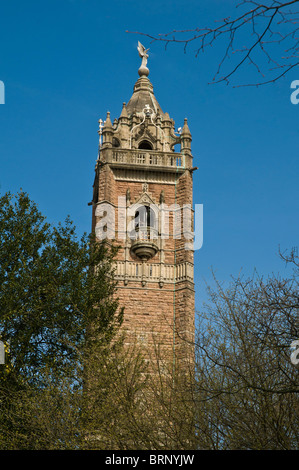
{"x":145,"y":221}
{"x":115,"y":142}
{"x":146,"y":145}
{"x":144,"y":217}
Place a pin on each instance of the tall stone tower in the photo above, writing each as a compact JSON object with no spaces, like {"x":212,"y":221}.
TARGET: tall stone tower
{"x":142,"y":199}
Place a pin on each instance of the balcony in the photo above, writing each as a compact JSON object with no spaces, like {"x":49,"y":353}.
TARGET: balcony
{"x":143,"y":244}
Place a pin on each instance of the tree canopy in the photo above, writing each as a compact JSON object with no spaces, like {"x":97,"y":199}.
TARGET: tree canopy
{"x":54,"y":288}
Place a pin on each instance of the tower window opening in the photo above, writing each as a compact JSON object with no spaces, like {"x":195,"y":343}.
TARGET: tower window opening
{"x":145,"y":220}
{"x":115,"y":142}
{"x":146,"y":145}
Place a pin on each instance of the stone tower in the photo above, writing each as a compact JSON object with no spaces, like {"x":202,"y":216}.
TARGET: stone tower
{"x":142,"y":199}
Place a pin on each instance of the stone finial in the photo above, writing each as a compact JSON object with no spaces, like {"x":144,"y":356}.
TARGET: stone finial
{"x":107,"y":131}
{"x":186,"y":130}
{"x":124,"y":113}
{"x":108,"y":123}
{"x":186,"y":138}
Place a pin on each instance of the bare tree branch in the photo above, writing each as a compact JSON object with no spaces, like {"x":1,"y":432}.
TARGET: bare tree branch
{"x":271,"y":29}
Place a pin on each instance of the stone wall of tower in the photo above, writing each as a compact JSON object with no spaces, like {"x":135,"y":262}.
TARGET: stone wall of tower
{"x":155,"y":313}
{"x":156,"y":293}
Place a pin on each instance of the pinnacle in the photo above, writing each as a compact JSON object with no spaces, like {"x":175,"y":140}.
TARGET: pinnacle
{"x":124,"y":113}
{"x":108,"y":123}
{"x":186,"y":129}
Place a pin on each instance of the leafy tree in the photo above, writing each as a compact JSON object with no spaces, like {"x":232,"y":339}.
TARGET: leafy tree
{"x":54,"y":288}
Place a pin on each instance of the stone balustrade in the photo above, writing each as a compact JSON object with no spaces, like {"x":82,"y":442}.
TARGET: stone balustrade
{"x":154,"y":271}
{"x":146,"y":158}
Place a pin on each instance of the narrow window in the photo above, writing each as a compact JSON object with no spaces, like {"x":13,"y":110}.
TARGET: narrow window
{"x":145,"y":217}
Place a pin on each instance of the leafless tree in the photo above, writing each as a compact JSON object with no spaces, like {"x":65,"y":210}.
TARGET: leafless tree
{"x":247,"y":384}
{"x":270,"y":30}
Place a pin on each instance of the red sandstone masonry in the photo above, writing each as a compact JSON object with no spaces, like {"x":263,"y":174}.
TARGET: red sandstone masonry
{"x":162,"y":312}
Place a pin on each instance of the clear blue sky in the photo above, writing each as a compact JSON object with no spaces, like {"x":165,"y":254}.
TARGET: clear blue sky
{"x":66,"y":62}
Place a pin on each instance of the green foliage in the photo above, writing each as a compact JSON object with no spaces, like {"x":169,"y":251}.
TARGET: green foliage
{"x":55,"y":288}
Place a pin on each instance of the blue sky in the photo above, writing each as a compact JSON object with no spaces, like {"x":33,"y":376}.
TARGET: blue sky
{"x":64,"y":63}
